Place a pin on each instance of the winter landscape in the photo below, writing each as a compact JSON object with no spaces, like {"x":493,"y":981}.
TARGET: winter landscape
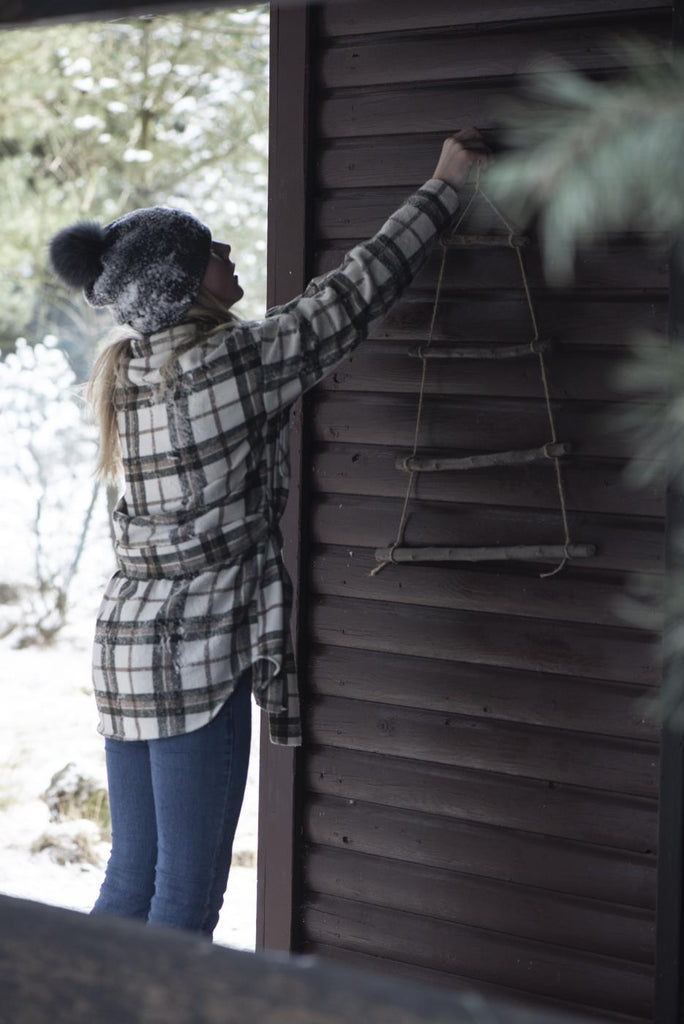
{"x":99,"y":118}
{"x":60,"y":538}
{"x":49,"y":723}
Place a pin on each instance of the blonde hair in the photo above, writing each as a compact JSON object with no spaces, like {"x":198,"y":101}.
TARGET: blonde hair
{"x":107,"y":374}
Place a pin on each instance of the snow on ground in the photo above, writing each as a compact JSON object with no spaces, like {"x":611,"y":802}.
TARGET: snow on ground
{"x":48,"y":720}
{"x":48,"y":711}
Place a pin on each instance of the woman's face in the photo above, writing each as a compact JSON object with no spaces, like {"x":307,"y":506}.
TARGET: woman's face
{"x":220,"y":278}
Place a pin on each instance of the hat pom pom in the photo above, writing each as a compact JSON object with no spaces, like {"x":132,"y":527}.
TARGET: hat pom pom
{"x":76,"y":253}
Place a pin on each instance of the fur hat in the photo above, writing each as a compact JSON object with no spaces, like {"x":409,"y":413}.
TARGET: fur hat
{"x":147,"y":266}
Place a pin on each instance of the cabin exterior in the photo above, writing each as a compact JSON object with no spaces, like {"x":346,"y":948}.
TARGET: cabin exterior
{"x":481,"y":801}
{"x":477,"y":799}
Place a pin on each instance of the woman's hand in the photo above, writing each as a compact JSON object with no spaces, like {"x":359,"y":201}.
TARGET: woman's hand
{"x":459,"y":152}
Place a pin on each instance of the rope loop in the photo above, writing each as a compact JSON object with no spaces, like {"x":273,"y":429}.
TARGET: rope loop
{"x":390,"y":560}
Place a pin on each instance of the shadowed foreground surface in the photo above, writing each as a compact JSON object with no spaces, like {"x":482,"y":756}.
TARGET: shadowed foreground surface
{"x":58,"y":966}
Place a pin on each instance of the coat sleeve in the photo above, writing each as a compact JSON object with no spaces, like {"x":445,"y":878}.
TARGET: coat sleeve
{"x":304,"y":340}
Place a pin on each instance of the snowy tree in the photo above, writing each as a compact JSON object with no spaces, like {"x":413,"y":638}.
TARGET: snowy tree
{"x":100,"y":118}
{"x":47,"y":457}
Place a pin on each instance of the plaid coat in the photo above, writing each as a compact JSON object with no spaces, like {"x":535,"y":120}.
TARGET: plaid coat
{"x":201,"y":595}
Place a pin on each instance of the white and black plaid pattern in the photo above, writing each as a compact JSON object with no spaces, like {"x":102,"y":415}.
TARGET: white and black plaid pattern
{"x":201,"y":596}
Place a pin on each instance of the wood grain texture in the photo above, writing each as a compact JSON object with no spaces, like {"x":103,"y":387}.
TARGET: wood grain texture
{"x":520,"y":912}
{"x":468,"y":423}
{"x":600,"y":982}
{"x":509,"y":642}
{"x":356,"y":17}
{"x":590,"y":761}
{"x":452,"y":56}
{"x":529,"y":805}
{"x":591,"y":485}
{"x":487,"y":691}
{"x":506,"y":317}
{"x":623,"y":545}
{"x":623,"y":267}
{"x":575,"y":596}
{"x":574,"y":374}
{"x":414,"y":109}
{"x":526,"y":858}
{"x":514,"y":998}
{"x":472,"y":732}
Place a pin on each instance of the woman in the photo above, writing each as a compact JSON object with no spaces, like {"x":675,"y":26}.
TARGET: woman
{"x":193,"y":407}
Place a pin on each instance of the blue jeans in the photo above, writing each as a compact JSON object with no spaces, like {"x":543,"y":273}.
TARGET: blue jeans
{"x":175,"y":804}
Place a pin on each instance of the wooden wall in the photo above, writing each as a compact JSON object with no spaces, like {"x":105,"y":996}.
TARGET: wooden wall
{"x":479,"y":785}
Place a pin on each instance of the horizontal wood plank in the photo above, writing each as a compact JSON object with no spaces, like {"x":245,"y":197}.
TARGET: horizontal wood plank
{"x":590,"y":485}
{"x":517,"y":1001}
{"x":418,"y":109}
{"x":578,"y":759}
{"x":624,"y":266}
{"x":597,"y":982}
{"x":410,"y":109}
{"x":341,"y":212}
{"x":572,"y":373}
{"x":34,"y":13}
{"x":623,"y":544}
{"x":487,"y":691}
{"x":573,"y":649}
{"x":448,"y":55}
{"x":518,"y":911}
{"x":355,"y":17}
{"x":583,"y":814}
{"x":525,"y":858}
{"x":495,"y":319}
{"x":341,"y":572}
{"x":470,"y":423}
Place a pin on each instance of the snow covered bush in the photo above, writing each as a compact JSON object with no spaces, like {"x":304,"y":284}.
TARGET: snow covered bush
{"x":47,"y":455}
{"x":72,"y":842}
{"x":80,"y":823}
{"x":74,"y":794}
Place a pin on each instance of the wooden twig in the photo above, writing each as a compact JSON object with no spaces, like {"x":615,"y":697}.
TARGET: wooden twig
{"x":511,"y":553}
{"x":426,"y":464}
{"x":481,"y":351}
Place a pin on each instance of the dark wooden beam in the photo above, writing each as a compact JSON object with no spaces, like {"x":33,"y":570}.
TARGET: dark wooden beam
{"x":287,"y":276}
{"x":669,"y":1002}
{"x":27,"y":13}
{"x":56,"y":965}
{"x":670,"y":911}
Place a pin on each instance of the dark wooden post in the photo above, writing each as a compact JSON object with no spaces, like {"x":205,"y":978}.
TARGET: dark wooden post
{"x":670,"y":906}
{"x":669,"y":1004}
{"x":669,"y":1001}
{"x":287,"y":233}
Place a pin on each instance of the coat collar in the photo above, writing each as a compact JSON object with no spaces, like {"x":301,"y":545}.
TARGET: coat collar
{"x":162,"y":343}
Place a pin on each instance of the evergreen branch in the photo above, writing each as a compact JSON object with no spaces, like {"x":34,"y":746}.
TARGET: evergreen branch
{"x":595,"y":157}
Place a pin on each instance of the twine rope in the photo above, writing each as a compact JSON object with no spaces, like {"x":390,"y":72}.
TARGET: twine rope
{"x":478,"y":191}
{"x":545,"y":381}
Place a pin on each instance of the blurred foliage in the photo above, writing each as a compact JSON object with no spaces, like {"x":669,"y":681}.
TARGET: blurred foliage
{"x":588,"y":159}
{"x":100,"y":118}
